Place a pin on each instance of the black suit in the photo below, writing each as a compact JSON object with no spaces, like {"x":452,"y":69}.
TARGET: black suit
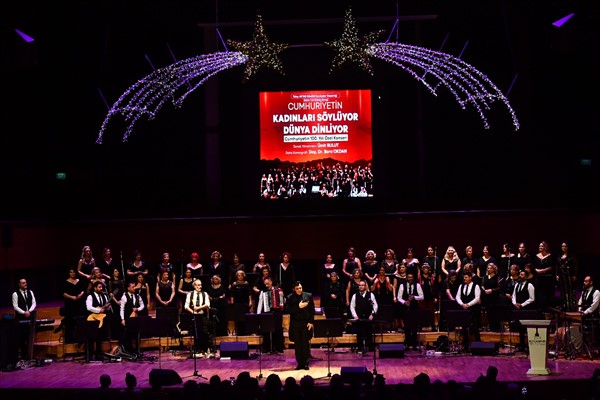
{"x":299,"y":318}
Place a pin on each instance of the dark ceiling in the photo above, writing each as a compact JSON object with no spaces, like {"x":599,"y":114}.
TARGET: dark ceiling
{"x":85,"y":54}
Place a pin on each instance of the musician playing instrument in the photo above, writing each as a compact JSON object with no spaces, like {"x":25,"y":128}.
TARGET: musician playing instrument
{"x":271,"y":300}
{"x":589,"y":307}
{"x":363,"y":306}
{"x":197,"y":303}
{"x":130,"y":304}
{"x":590,"y":298}
{"x":98,"y":305}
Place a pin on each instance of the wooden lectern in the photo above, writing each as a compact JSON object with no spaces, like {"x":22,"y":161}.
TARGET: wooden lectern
{"x":537,"y":339}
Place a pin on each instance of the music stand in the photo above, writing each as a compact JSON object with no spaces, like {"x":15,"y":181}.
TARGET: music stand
{"x":85,"y":331}
{"x":518,"y":315}
{"x":500,"y":313}
{"x":135,"y":327}
{"x":445,"y":306}
{"x":260,"y":324}
{"x":171,"y":317}
{"x":328,"y":328}
{"x":414,"y":320}
{"x":236,"y":312}
{"x":332,"y":312}
{"x":385,"y":312}
{"x":458,"y":319}
{"x":160,"y":327}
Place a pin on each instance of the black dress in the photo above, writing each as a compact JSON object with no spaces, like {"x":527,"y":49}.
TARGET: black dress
{"x":217,"y":315}
{"x":72,"y":308}
{"x":325,"y":271}
{"x":287,"y":277}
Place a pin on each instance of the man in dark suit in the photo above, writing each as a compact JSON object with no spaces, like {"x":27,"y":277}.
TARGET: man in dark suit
{"x":301,"y":307}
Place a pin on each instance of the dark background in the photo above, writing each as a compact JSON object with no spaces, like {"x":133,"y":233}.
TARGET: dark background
{"x":201,"y":159}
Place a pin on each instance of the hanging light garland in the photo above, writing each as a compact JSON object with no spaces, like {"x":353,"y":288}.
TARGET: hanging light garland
{"x":433,"y":69}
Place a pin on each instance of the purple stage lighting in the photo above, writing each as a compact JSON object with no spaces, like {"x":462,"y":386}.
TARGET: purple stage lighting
{"x":560,"y":22}
{"x":24,"y":36}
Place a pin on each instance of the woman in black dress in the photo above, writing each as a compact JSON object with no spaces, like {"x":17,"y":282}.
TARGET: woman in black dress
{"x":544,"y":264}
{"x":241,"y":295}
{"x":74,"y":306}
{"x":326,"y":270}
{"x":217,"y":293}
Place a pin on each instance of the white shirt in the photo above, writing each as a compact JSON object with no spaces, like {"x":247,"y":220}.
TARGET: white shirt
{"x":353,"y":303}
{"x":124,"y":300}
{"x":471,"y":286}
{"x":595,"y":301}
{"x":191,"y":298}
{"x":15,"y":302}
{"x":419,"y":296}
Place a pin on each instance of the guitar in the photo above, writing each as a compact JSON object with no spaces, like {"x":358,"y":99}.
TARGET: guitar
{"x":97,"y":317}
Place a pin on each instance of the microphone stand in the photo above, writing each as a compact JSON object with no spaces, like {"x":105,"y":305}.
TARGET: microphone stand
{"x":122,"y":266}
{"x":439,"y":291}
{"x":196,"y":373}
{"x":181,"y":269}
{"x":260,"y":344}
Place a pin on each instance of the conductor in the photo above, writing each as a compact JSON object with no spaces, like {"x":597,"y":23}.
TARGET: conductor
{"x":301,"y":307}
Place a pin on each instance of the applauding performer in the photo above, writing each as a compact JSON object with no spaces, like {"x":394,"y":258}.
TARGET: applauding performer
{"x":301,"y":307}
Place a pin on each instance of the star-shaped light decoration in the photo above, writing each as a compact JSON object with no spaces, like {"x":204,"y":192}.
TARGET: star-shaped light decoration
{"x":351,"y":48}
{"x":260,"y":51}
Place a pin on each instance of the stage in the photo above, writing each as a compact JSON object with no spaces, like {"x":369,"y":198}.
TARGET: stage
{"x":464,"y":368}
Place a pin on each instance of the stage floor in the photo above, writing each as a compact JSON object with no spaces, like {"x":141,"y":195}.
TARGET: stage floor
{"x":465,"y":368}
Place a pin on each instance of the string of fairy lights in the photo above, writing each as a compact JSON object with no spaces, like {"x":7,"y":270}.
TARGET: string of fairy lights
{"x":433,"y":69}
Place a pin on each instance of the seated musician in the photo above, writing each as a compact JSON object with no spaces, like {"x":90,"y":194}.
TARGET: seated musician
{"x":197,"y":303}
{"x":98,"y":305}
{"x":363,"y":307}
{"x":523,"y":298}
{"x":130,"y":304}
{"x":588,"y":305}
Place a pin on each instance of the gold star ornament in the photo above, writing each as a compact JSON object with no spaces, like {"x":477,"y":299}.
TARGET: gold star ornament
{"x":260,"y":51}
{"x":351,"y":48}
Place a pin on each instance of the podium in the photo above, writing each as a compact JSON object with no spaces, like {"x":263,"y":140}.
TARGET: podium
{"x":537,"y":339}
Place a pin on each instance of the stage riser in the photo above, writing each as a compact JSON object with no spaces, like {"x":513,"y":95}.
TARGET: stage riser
{"x":48,"y":343}
{"x":55,"y":348}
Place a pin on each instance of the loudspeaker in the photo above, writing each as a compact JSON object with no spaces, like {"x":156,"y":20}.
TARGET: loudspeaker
{"x":484,"y":348}
{"x":391,"y":350}
{"x":9,"y":345}
{"x":235,"y":350}
{"x":350,"y":374}
{"x":164,"y":377}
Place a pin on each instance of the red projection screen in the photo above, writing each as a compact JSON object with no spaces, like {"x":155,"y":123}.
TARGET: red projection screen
{"x":316,"y":143}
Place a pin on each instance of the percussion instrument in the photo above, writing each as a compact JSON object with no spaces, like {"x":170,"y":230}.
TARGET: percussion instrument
{"x":571,"y":335}
{"x":573,"y":316}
